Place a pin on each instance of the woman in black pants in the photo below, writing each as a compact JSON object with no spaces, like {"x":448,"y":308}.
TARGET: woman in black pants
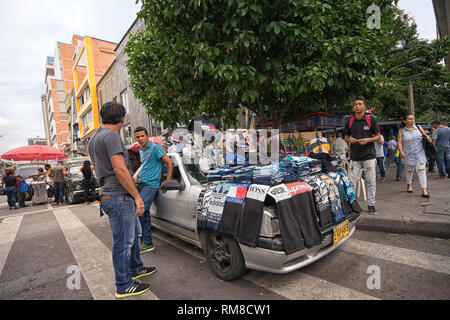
{"x":88,"y":182}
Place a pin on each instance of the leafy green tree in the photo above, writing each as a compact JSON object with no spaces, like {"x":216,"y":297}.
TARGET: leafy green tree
{"x":430,"y":80}
{"x":276,"y":58}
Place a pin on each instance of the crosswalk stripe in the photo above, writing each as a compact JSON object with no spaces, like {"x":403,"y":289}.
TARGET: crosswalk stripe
{"x":8,"y":232}
{"x":295,"y":285}
{"x":93,"y":257}
{"x":301,"y":286}
{"x":413,"y":258}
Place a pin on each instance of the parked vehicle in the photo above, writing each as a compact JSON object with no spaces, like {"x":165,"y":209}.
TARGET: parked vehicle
{"x":174,"y":211}
{"x":74,"y":190}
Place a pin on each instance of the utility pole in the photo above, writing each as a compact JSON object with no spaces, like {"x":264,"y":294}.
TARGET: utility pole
{"x":411,"y":96}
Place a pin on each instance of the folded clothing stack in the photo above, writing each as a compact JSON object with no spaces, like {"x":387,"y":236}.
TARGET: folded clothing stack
{"x":216,"y":174}
{"x":244,"y":175}
{"x":288,"y":170}
{"x":228,"y":173}
{"x":270,"y":174}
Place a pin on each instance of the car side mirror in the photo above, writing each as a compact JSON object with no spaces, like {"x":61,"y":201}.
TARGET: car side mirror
{"x":170,"y":185}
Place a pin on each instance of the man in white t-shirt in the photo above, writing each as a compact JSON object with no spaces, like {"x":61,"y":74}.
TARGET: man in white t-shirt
{"x":379,"y":150}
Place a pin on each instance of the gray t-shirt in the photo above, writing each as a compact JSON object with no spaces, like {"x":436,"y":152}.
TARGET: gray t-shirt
{"x":442,"y":136}
{"x":104,"y":144}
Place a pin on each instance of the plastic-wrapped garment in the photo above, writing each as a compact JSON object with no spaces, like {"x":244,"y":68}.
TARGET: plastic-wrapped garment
{"x":40,"y":195}
{"x":323,"y":206}
{"x":335,"y":201}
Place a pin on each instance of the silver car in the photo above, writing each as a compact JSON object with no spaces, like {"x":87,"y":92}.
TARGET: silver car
{"x":175,"y":212}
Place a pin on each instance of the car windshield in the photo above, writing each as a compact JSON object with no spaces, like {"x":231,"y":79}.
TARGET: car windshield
{"x":75,"y":171}
{"x":195,"y":173}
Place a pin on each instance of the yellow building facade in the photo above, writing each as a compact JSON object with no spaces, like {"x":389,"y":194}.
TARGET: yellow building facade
{"x":92,"y":58}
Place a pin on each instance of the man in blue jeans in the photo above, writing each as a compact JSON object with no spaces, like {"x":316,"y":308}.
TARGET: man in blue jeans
{"x":441,"y":137}
{"x":120,"y":201}
{"x":152,"y":156}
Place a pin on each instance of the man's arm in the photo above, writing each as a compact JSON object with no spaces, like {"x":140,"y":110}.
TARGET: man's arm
{"x":125,"y":179}
{"x":166,"y":159}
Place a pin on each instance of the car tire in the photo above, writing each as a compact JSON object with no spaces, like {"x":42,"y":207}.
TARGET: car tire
{"x":224,"y":256}
{"x":71,"y":198}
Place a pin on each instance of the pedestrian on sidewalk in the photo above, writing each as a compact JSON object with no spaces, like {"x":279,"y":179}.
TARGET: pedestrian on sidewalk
{"x":23,"y":188}
{"x":88,"y":181}
{"x":431,"y":158}
{"x":10,"y":182}
{"x":59,"y":172}
{"x":410,"y":144}
{"x":152,"y":156}
{"x":362,"y":131}
{"x":120,"y":201}
{"x":339,"y":147}
{"x":441,"y":139}
{"x":392,"y":151}
{"x":379,"y":150}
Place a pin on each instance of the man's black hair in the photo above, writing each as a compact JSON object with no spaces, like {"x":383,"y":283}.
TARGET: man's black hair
{"x":112,"y":113}
{"x":436,"y":122}
{"x":362,"y":99}
{"x":138,"y":129}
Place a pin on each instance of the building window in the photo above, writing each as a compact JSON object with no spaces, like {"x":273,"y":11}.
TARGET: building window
{"x":86,"y":119}
{"x":124,"y":99}
{"x":127,"y":136}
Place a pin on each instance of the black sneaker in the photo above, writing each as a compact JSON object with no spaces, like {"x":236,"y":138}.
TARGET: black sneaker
{"x":135,"y":289}
{"x":146,"y":271}
{"x":372,"y":210}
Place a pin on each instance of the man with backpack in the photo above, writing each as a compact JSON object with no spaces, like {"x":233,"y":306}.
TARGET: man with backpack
{"x":362,"y":131}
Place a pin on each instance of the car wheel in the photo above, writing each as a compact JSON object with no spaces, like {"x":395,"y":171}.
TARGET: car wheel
{"x":224,"y":256}
{"x":70,"y":198}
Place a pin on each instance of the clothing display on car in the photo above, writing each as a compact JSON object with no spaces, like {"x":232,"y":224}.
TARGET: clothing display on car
{"x":310,"y":194}
{"x":299,"y":228}
{"x":234,"y":203}
{"x":250,"y":223}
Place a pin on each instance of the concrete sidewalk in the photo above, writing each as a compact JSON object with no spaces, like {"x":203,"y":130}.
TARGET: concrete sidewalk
{"x":402,"y":212}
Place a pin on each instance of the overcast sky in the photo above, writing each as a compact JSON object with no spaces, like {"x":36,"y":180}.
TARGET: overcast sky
{"x":29,"y":30}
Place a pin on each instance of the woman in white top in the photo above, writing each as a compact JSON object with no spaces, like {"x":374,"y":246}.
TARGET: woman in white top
{"x":412,"y":152}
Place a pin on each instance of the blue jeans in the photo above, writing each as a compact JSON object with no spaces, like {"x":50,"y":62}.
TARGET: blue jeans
{"x":59,"y":191}
{"x":380,"y":162}
{"x":148,"y":194}
{"x":443,"y":161}
{"x":11,"y":194}
{"x":125,"y":227}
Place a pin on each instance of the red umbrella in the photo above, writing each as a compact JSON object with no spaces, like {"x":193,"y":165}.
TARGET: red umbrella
{"x":34,"y":152}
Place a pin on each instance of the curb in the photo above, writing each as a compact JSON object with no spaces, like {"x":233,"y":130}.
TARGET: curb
{"x":434,"y":229}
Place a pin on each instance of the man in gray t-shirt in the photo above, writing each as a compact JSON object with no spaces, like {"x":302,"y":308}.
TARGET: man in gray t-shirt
{"x":107,"y":143}
{"x":441,"y":137}
{"x":120,"y":201}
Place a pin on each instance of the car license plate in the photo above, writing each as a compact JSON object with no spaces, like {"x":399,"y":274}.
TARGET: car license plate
{"x":340,"y":232}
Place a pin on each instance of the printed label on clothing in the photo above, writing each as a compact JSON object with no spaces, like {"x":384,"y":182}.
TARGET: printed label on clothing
{"x":279,"y":193}
{"x":298,"y":187}
{"x":257,"y":192}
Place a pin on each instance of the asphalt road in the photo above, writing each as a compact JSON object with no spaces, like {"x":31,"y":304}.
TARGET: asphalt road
{"x":64,"y":252}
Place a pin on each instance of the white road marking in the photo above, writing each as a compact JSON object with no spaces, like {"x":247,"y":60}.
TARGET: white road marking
{"x":92,"y":256}
{"x":8,"y":232}
{"x":294,"y":286}
{"x":413,"y":258}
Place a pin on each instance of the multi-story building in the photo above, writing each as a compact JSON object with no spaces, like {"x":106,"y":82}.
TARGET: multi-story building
{"x":92,"y":58}
{"x":137,"y":115}
{"x":442,"y":13}
{"x":75,"y":146}
{"x":45,"y":118}
{"x":59,"y":82}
